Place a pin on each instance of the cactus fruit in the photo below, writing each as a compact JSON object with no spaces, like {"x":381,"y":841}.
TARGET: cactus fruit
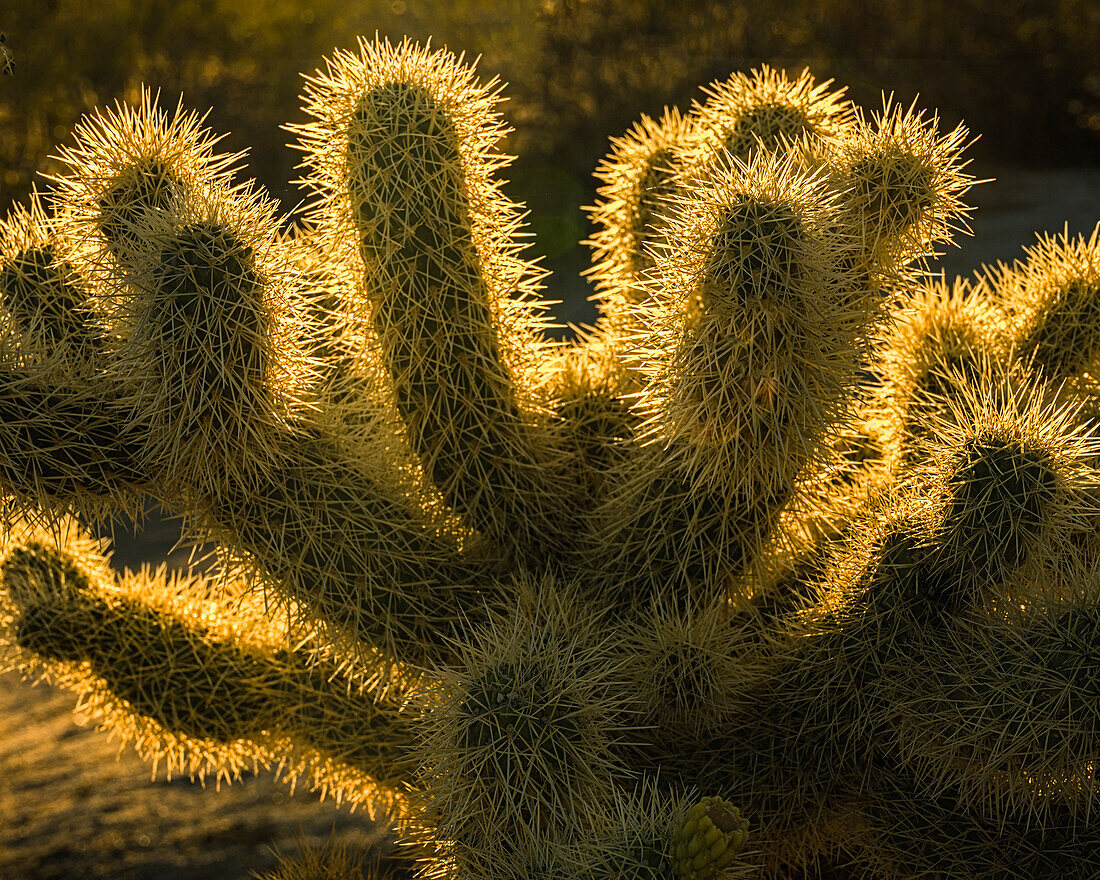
{"x":794,"y":527}
{"x":711,"y":836}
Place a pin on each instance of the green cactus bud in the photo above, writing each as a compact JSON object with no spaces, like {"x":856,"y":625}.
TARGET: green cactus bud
{"x":713,"y":832}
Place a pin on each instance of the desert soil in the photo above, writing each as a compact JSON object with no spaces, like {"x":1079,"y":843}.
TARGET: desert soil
{"x":69,"y":810}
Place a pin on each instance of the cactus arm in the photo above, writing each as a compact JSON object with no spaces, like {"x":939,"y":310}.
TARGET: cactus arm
{"x":1054,"y":297}
{"x":402,"y":154}
{"x":637,"y":177}
{"x":322,"y":529}
{"x":903,"y":181}
{"x":1007,"y":720}
{"x":916,"y":835}
{"x":62,"y":447}
{"x":161,"y":678}
{"x":519,"y":734}
{"x":943,"y":339}
{"x":754,"y":339}
{"x":65,"y":445}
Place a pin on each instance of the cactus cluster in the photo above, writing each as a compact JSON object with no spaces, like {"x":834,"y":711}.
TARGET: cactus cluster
{"x":787,"y":567}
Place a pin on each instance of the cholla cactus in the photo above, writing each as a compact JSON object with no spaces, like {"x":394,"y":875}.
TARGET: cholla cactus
{"x":788,"y":567}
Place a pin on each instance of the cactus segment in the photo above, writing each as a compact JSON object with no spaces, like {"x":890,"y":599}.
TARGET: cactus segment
{"x":1015,"y":732}
{"x":638,"y":177}
{"x":61,"y":449}
{"x":207,"y":348}
{"x":443,"y":283}
{"x":519,"y":739}
{"x":127,"y":169}
{"x":765,"y":110}
{"x":45,"y":301}
{"x":65,"y":445}
{"x":1016,"y":474}
{"x":753,"y":346}
{"x":943,"y":343}
{"x":596,"y":422}
{"x":170,"y":683}
{"x":905,"y":180}
{"x":1055,"y":296}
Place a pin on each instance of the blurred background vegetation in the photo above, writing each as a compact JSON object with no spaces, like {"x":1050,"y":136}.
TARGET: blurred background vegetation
{"x":1023,"y":73}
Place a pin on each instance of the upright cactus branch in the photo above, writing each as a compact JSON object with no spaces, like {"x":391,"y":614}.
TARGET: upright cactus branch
{"x":445,"y":288}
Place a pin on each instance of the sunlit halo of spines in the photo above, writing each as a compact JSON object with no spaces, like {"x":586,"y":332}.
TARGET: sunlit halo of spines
{"x":1007,"y":456}
{"x":129,"y":162}
{"x":765,"y":109}
{"x":747,"y":264}
{"x":332,"y":97}
{"x":637,"y":177}
{"x":228,"y":635}
{"x":905,"y":181}
{"x":225,"y":230}
{"x":1054,"y":297}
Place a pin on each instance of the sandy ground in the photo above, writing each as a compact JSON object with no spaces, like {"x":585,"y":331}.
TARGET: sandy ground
{"x":70,"y":811}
